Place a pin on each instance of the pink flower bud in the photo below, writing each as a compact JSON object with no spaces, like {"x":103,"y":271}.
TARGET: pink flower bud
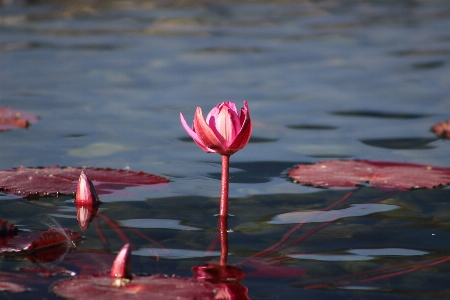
{"x":86,"y":193}
{"x":121,"y":267}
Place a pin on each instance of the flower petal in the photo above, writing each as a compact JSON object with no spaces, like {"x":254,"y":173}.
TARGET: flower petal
{"x":227,"y":124}
{"x":244,"y":134}
{"x":194,"y":135}
{"x":213,"y":113}
{"x":206,"y":134}
{"x":231,"y":105}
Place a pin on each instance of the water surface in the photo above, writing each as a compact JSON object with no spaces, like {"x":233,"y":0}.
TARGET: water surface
{"x":323,"y":79}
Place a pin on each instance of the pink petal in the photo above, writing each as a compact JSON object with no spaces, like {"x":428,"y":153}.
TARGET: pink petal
{"x":244,"y":134}
{"x":194,"y":135}
{"x":213,"y":113}
{"x":211,"y":120}
{"x":206,"y":134}
{"x":231,"y":105}
{"x":245,"y":113}
{"x":226,"y":123}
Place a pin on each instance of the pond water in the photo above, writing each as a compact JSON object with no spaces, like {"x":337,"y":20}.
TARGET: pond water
{"x":324,"y":80}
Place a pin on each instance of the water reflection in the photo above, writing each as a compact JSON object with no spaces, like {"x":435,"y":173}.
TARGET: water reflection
{"x":355,"y":210}
{"x":85,"y":214}
{"x":226,"y":278}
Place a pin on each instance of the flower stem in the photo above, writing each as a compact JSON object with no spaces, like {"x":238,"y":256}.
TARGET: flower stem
{"x":223,"y":229}
{"x":224,"y":191}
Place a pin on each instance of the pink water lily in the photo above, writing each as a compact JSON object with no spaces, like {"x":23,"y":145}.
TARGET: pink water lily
{"x":224,"y":131}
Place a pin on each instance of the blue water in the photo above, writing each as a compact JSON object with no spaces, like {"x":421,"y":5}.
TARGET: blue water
{"x":323,"y":79}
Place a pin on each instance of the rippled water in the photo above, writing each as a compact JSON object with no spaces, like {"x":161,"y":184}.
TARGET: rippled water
{"x":323,"y":79}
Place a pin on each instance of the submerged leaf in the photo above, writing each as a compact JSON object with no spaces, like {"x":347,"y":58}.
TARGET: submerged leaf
{"x":52,"y":181}
{"x":389,"y":175}
{"x":13,"y":119}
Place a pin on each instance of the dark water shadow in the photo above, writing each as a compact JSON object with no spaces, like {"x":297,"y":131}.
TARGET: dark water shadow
{"x":400,"y":143}
{"x":428,"y":65}
{"x":43,"y":45}
{"x":311,"y":127}
{"x":255,"y":172}
{"x":378,"y":114}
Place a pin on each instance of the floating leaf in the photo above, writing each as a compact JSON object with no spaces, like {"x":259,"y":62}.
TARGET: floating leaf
{"x":13,"y":119}
{"x":40,"y":240}
{"x":389,"y":175}
{"x":156,"y":287}
{"x":120,"y":284}
{"x":52,"y":181}
{"x":442,"y":129}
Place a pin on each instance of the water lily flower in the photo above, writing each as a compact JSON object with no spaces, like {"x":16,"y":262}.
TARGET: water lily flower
{"x":224,"y":131}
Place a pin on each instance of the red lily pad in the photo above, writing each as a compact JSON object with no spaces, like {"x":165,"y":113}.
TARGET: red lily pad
{"x":154,"y":287}
{"x":388,"y":175}
{"x":442,"y":129}
{"x":13,"y":119}
{"x":40,"y":240}
{"x":53,"y":181}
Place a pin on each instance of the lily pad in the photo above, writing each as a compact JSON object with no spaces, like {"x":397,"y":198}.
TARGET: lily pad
{"x":53,"y":181}
{"x":141,"y":287}
{"x":40,"y":240}
{"x":388,"y":175}
{"x":14,"y":119}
